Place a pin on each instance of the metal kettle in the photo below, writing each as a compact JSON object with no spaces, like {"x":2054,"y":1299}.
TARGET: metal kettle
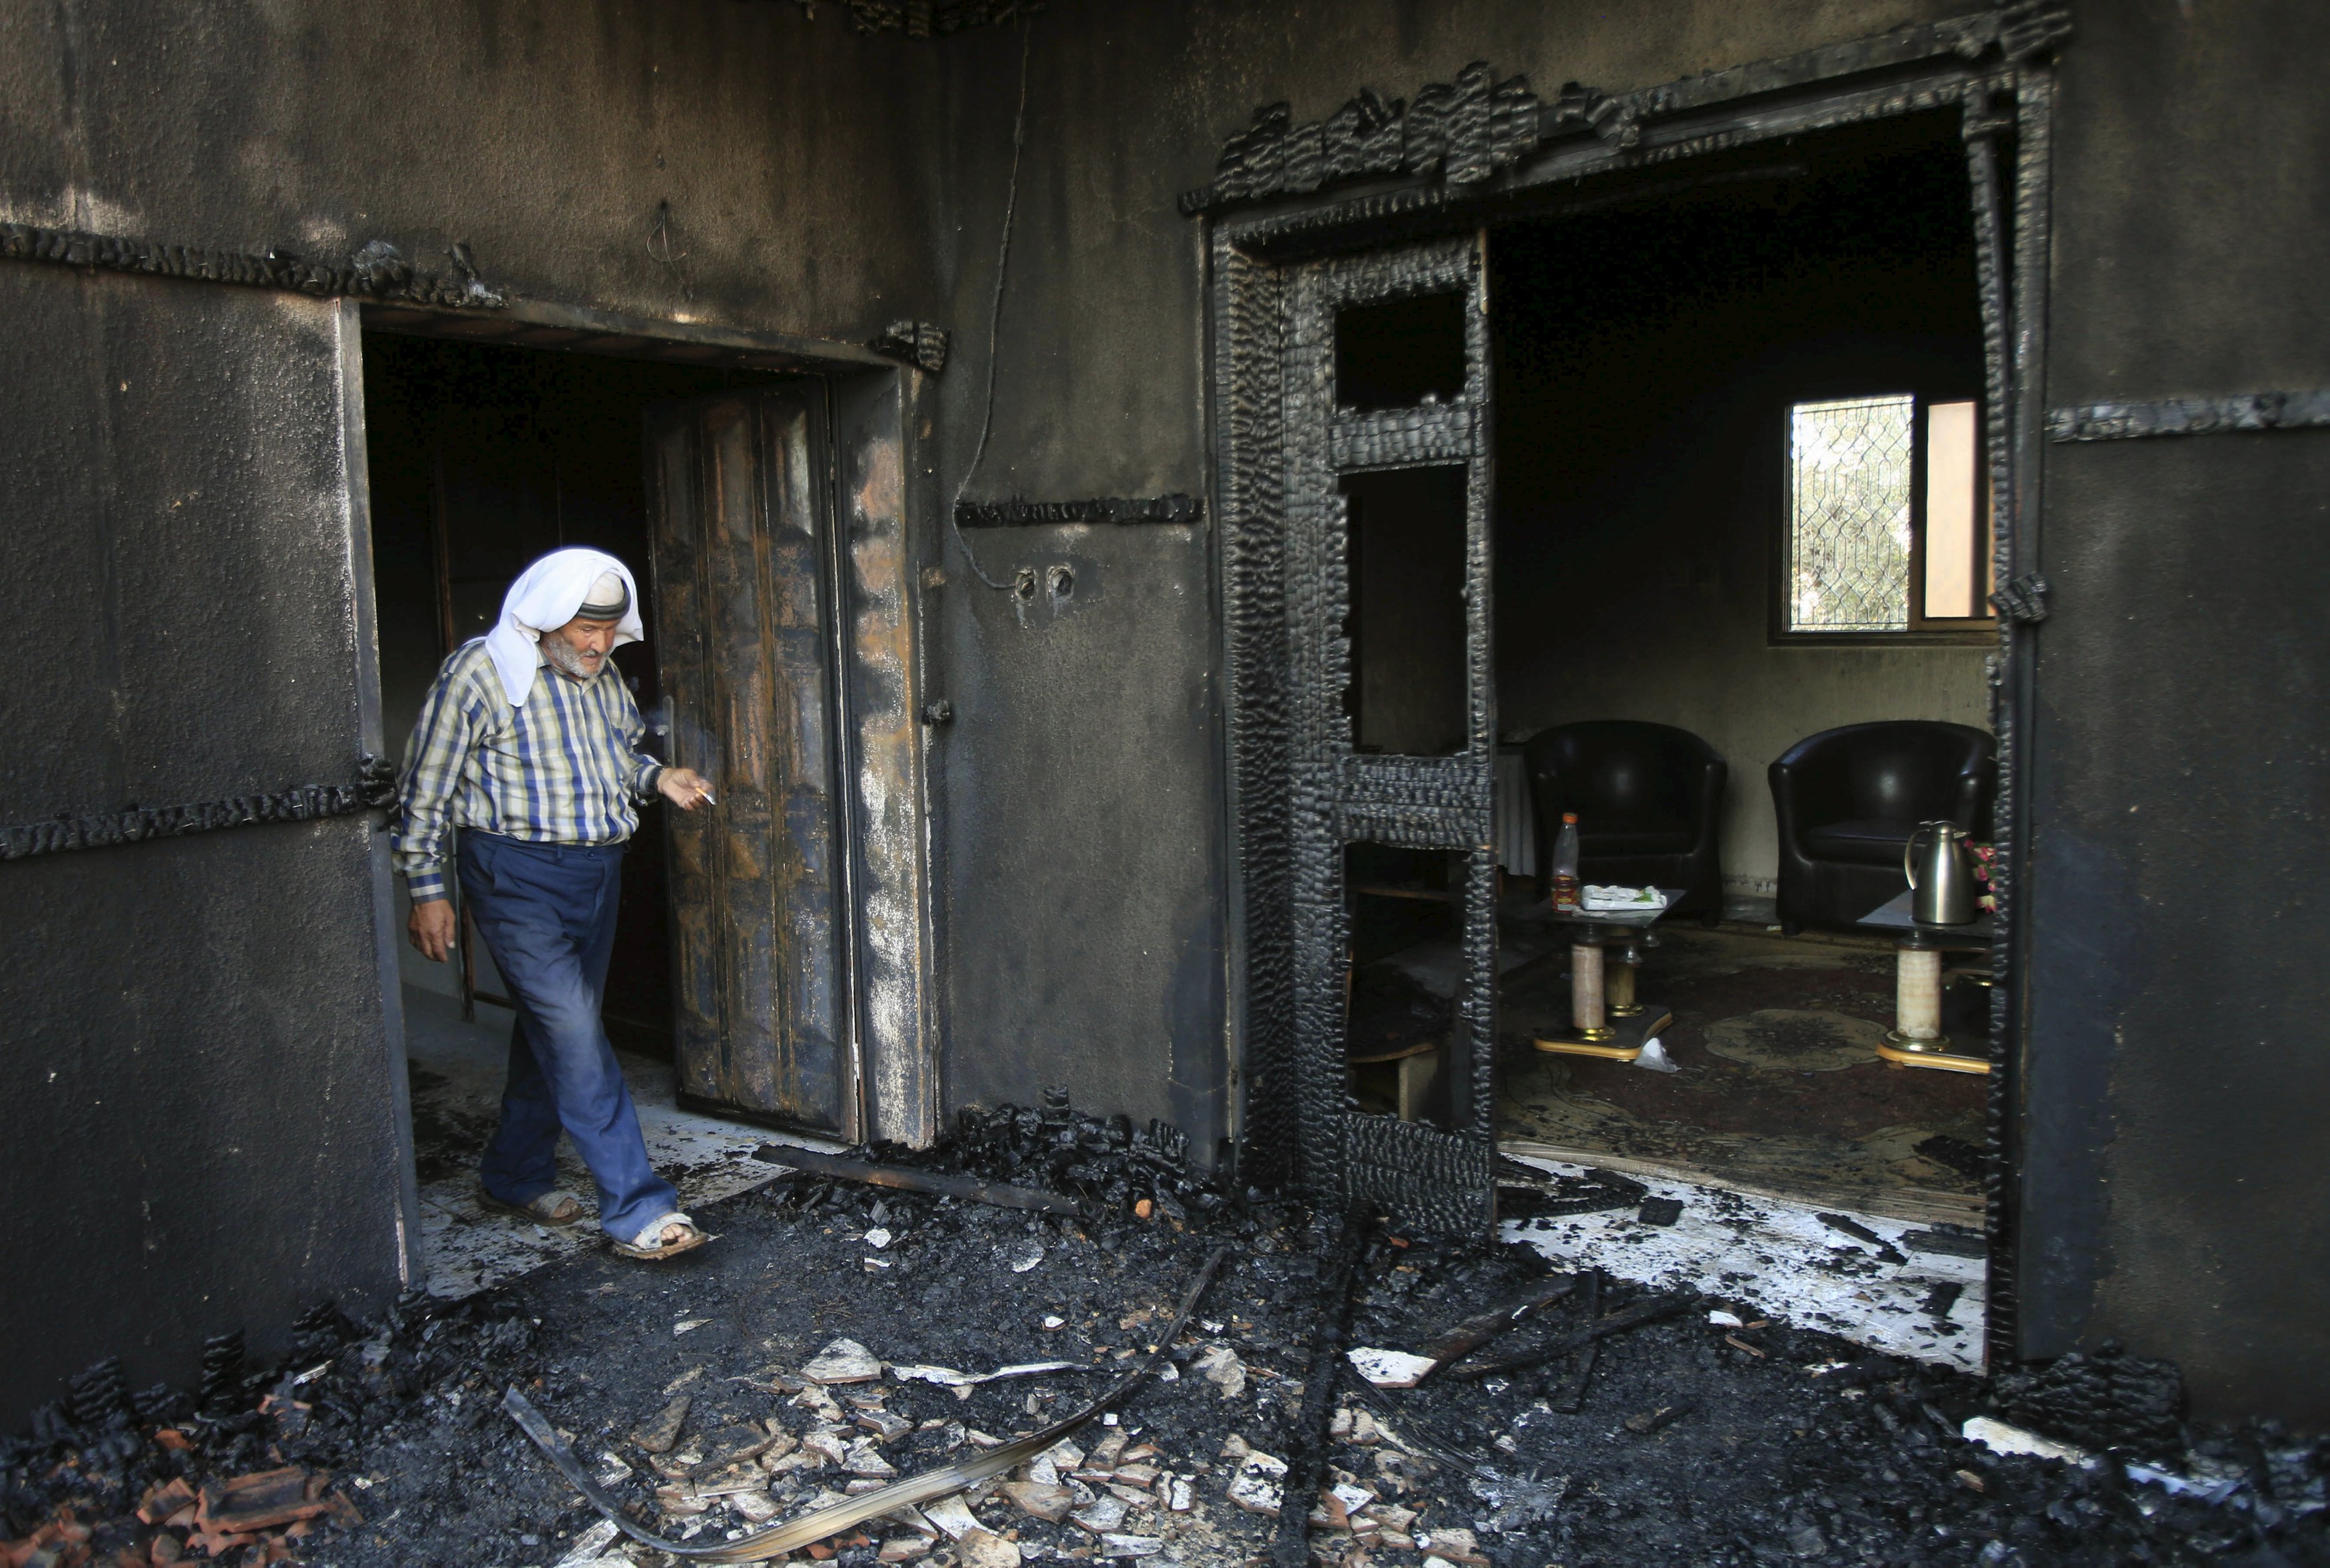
{"x":1941,"y":875}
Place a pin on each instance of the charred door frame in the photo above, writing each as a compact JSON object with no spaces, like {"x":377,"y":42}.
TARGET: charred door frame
{"x":1994,"y":69}
{"x":879,"y":486}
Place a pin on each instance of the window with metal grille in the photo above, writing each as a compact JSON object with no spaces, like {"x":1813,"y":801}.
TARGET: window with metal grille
{"x":1887,"y":526}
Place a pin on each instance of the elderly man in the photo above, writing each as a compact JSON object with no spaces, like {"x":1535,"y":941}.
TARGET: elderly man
{"x":529,"y":745}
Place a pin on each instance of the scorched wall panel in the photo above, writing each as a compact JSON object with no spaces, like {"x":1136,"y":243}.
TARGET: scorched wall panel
{"x":196,"y":1097}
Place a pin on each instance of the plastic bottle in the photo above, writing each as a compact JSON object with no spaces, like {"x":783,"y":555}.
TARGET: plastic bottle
{"x":1564,"y":865}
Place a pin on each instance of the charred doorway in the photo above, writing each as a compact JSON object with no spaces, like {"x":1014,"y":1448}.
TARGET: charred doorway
{"x":715,"y":484}
{"x":1298,"y":604}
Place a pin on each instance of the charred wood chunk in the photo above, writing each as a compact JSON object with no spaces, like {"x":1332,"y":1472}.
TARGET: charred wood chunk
{"x":2102,"y":1398}
{"x":222,"y":1369}
{"x":100,"y":1395}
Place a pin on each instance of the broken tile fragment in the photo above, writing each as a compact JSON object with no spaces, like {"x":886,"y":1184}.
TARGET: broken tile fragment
{"x":591,"y":1545}
{"x":984,"y":1549}
{"x":755,"y":1507}
{"x":1257,"y":1483}
{"x":1452,"y":1545}
{"x":1114,"y":1545}
{"x":731,"y":1479}
{"x":1389,"y":1368}
{"x":1220,"y":1365}
{"x":820,"y":1403}
{"x":1046,"y":1502}
{"x":1102,"y":1515}
{"x":656,"y":1436}
{"x":248,"y":1504}
{"x":826,"y":1444}
{"x":843,"y":1361}
{"x":865,"y":1459}
{"x":953,"y":1516}
{"x":886,"y":1425}
{"x":161,"y":1502}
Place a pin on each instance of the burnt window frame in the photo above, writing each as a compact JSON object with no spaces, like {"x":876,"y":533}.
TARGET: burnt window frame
{"x":1922,"y":630}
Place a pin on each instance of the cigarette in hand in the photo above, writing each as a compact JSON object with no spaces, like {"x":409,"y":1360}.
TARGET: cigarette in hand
{"x":704,"y":794}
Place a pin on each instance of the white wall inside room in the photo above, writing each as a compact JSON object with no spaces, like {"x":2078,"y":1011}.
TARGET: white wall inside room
{"x":1750,"y":701}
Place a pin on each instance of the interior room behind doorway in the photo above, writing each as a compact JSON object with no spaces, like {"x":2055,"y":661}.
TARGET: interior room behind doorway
{"x":1677,"y":367}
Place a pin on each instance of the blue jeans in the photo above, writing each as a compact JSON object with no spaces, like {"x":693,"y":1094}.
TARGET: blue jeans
{"x":547,"y":914}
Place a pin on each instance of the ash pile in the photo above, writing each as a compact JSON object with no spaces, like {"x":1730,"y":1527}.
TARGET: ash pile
{"x":1103,"y":1163}
{"x":1343,"y":1391}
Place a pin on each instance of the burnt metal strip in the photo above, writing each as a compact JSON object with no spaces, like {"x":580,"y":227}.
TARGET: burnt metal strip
{"x":373,"y":791}
{"x":378,"y":272}
{"x":1018,"y":514}
{"x":2269,"y":410}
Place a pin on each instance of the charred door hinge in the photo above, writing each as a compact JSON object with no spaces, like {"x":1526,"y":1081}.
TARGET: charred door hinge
{"x":939,"y":714}
{"x":917,"y":342}
{"x":2024,"y":600}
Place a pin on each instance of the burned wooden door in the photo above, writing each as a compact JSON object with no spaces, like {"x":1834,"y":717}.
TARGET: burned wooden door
{"x":1393,"y":728}
{"x":745,"y":584}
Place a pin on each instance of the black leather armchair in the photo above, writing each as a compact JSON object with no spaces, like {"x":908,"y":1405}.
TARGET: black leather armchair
{"x":1649,"y":799}
{"x":1848,"y":799}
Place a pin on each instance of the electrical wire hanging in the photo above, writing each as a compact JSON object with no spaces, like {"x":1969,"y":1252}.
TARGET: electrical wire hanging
{"x":995,"y":313}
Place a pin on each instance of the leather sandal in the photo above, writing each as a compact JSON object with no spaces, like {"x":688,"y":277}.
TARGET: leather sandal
{"x":652,"y":1243}
{"x":552,"y":1208}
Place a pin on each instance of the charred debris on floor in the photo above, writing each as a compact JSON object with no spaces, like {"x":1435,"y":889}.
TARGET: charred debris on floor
{"x":1348,"y":1392}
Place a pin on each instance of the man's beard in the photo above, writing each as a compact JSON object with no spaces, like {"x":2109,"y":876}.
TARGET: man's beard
{"x":569,"y":659}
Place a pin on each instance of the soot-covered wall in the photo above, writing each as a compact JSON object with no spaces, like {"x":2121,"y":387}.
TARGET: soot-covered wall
{"x":1081,"y":783}
{"x":2177,"y":1086}
{"x":196,"y":1100}
{"x":1646,"y":358}
{"x":200,"y":1079}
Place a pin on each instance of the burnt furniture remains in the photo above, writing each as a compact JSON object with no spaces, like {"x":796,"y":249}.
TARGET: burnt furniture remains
{"x":1649,"y":799}
{"x":1848,"y":799}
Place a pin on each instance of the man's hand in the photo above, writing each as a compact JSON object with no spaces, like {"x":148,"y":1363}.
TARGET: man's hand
{"x":684,"y":787}
{"x":432,"y":929}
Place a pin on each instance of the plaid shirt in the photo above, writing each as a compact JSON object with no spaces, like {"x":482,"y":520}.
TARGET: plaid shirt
{"x":564,"y":769}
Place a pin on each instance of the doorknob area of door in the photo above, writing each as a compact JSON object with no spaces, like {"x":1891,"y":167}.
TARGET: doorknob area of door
{"x":939,"y":714}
